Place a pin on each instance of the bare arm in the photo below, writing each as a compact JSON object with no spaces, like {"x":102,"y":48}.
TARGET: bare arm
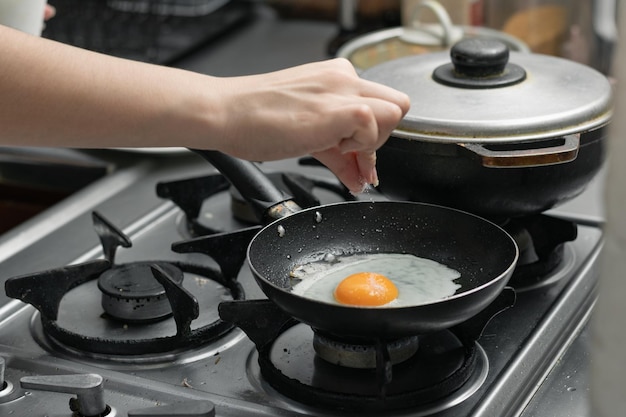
{"x":57,"y":95}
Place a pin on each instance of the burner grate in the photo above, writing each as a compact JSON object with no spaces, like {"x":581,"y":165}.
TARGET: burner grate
{"x":65,"y":298}
{"x":541,"y":240}
{"x":448,"y":364}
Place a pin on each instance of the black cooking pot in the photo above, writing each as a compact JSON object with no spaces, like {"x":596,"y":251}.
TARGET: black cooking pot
{"x":455,"y":176}
{"x":481,"y":251}
{"x":495,"y":136}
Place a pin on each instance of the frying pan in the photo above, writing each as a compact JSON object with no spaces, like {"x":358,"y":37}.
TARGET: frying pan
{"x":481,"y":251}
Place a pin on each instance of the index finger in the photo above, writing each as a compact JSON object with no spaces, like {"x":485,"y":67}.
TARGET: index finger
{"x":376,"y":90}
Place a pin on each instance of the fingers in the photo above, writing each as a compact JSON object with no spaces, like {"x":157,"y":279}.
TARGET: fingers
{"x":362,"y":129}
{"x":370,"y":121}
{"x":49,"y":12}
{"x":378,"y":112}
{"x":370,"y":88}
{"x":387,"y":94}
{"x":370,"y":124}
{"x":366,"y":163}
{"x":345,"y":167}
{"x":355,"y":170}
{"x":371,"y":110}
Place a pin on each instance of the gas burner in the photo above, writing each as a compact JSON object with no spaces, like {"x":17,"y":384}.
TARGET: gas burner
{"x":131,"y":293}
{"x":361,"y":355}
{"x":444,"y":368}
{"x":149,"y":306}
{"x":541,"y":240}
{"x":206,"y":212}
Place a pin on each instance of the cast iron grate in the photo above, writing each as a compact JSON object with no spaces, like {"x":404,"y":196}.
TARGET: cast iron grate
{"x":385,"y":388}
{"x":45,"y":291}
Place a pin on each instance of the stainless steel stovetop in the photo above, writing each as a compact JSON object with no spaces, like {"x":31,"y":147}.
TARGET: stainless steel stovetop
{"x":519,"y":347}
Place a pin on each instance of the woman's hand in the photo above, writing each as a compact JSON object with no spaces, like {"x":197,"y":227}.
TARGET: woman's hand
{"x":323,"y":109}
{"x":49,"y":12}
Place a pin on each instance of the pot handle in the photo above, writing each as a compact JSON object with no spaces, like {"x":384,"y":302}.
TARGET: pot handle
{"x":536,"y":156}
{"x":442,"y":33}
{"x":267,"y":200}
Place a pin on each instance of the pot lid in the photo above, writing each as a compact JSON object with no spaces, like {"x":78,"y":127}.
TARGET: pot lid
{"x":479,"y":91}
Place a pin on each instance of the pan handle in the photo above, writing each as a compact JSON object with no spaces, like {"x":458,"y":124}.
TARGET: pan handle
{"x":556,"y":151}
{"x":267,"y":200}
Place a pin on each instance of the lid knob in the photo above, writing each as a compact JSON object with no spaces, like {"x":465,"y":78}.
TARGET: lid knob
{"x":479,"y":63}
{"x":479,"y":57}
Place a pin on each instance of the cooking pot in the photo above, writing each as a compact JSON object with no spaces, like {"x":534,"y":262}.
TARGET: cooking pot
{"x":481,"y":251}
{"x":493,"y":132}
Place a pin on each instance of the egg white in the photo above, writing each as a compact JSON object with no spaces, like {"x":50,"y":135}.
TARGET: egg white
{"x":419,"y":280}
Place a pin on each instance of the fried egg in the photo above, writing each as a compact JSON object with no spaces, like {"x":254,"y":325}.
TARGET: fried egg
{"x":376,"y":280}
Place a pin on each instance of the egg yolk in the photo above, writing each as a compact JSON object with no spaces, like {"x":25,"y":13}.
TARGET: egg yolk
{"x":366,"y":289}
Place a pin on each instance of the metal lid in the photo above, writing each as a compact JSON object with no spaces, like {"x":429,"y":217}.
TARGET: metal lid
{"x":460,"y":96}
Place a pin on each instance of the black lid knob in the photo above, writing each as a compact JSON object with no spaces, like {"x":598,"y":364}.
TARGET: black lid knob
{"x":479,"y":63}
{"x":479,"y":57}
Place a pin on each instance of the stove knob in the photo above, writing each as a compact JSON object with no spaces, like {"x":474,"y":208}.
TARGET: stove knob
{"x":88,"y":388}
{"x":185,"y":409}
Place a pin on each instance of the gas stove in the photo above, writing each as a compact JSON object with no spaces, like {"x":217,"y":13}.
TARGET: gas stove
{"x":103,"y":315}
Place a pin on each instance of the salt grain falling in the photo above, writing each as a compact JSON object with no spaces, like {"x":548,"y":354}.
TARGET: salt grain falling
{"x":281,"y":231}
{"x":318,"y":217}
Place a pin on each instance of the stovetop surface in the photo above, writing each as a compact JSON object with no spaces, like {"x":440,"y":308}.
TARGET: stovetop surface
{"x":521,"y":344}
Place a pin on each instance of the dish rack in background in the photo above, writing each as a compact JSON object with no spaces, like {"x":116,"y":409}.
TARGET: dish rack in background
{"x":155,"y":31}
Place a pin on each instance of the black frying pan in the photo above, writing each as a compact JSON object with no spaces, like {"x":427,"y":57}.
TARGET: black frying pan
{"x":481,"y":251}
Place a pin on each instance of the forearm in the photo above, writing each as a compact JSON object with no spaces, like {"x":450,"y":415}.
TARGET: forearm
{"x":56,"y":95}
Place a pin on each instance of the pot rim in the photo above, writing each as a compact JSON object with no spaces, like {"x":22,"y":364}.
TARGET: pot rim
{"x":433,"y":137}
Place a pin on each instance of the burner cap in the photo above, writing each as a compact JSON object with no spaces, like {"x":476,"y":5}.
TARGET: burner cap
{"x":131,"y":293}
{"x":362,"y":356}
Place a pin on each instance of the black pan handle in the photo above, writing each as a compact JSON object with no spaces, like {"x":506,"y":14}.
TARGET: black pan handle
{"x":267,"y":200}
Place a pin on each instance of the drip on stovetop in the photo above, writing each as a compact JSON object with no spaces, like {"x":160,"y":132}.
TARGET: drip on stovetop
{"x":439,"y":368}
{"x":148,"y":306}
